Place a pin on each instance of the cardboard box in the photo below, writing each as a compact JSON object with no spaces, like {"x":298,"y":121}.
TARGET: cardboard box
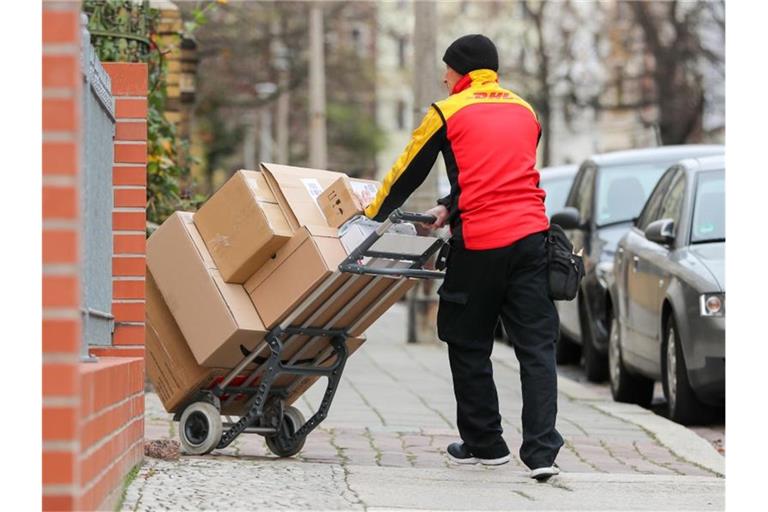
{"x":296,"y":190}
{"x":171,"y":366}
{"x":300,"y":266}
{"x":341,"y":200}
{"x":177,"y":376}
{"x":214,"y":317}
{"x":242,"y":225}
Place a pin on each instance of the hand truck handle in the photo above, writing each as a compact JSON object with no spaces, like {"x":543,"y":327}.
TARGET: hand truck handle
{"x":400,"y":216}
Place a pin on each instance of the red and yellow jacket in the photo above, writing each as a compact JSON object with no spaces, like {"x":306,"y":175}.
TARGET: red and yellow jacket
{"x":488,"y":137}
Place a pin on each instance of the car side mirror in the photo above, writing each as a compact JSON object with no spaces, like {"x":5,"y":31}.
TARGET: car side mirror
{"x":568,"y":218}
{"x":661,"y":231}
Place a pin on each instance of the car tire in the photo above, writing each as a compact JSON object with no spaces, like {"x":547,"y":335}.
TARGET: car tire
{"x":595,"y":363}
{"x":566,"y":350}
{"x":682,"y":404}
{"x":625,"y":387}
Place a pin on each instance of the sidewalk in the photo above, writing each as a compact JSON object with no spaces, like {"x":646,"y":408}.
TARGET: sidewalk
{"x":383,"y":443}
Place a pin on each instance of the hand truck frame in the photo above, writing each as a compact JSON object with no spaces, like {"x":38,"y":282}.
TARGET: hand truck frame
{"x":201,"y":428}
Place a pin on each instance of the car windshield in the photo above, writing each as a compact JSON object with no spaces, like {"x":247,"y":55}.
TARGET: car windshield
{"x":709,"y":208}
{"x":557,"y":192}
{"x":623,"y":189}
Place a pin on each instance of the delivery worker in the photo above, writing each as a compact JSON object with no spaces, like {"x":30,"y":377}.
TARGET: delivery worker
{"x":497,"y":265}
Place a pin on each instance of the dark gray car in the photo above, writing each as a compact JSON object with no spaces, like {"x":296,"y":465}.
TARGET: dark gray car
{"x":670,"y":295}
{"x":606,"y":196}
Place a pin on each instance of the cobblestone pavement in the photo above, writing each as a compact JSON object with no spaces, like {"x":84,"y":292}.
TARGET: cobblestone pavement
{"x":383,"y":445}
{"x":713,"y":432}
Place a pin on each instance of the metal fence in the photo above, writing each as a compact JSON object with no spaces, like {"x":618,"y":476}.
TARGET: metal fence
{"x":98,"y":114}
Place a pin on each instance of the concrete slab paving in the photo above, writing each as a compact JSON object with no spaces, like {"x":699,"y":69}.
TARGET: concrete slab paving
{"x":382,"y":447}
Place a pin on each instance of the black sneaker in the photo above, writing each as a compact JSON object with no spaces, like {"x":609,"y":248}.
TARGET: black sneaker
{"x":460,"y":454}
{"x":545,"y":473}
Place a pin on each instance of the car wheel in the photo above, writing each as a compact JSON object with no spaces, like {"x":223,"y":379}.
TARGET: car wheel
{"x":595,"y":363}
{"x":625,"y":387}
{"x":567,"y":351}
{"x":682,"y":404}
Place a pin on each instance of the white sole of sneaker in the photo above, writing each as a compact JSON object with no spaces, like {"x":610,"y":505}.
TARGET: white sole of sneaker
{"x":471,"y":460}
{"x":495,"y":462}
{"x":544,"y":473}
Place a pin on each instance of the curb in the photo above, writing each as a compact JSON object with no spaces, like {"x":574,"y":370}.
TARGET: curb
{"x":681,"y":441}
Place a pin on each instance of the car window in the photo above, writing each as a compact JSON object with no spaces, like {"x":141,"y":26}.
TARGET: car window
{"x":582,"y":200}
{"x":557,"y":191}
{"x":709,"y":208}
{"x":672,"y":202}
{"x":623,"y":189}
{"x":651,"y":208}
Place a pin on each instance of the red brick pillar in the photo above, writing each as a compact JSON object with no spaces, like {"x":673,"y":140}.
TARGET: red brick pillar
{"x":93,"y":413}
{"x":61,"y":255}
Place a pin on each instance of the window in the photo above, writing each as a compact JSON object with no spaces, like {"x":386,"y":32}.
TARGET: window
{"x":557,"y":191}
{"x":623,"y":189}
{"x":401,"y":45}
{"x":651,"y":208}
{"x":582,"y":194}
{"x":709,"y":208}
{"x":672,"y":203}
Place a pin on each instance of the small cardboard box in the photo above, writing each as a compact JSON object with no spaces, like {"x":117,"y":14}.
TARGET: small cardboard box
{"x":214,"y":317}
{"x":341,"y":200}
{"x":242,"y":225}
{"x":300,"y":266}
{"x":296,"y":189}
{"x":171,"y":367}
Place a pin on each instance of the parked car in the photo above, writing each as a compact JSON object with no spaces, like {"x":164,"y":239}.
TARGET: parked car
{"x":606,"y":196}
{"x":556,"y":182}
{"x":669,"y":321}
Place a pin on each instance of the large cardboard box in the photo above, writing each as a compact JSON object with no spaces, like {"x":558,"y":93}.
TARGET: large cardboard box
{"x":177,"y":376}
{"x":242,"y":225}
{"x":300,"y":266}
{"x":171,"y":367}
{"x":342,"y":199}
{"x":215,"y":317}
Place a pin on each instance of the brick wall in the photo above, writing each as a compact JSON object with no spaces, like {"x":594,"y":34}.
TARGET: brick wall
{"x":61,"y":255}
{"x":93,"y":424}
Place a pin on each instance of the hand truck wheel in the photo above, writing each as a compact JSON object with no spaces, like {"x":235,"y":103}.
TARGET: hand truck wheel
{"x":200,"y":428}
{"x":280,"y":443}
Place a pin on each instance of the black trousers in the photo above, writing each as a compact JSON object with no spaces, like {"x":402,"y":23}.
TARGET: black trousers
{"x":480,"y":286}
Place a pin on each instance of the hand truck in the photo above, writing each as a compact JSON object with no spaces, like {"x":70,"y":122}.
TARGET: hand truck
{"x":201,"y":428}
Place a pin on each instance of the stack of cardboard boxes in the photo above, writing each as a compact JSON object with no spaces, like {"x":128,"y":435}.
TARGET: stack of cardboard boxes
{"x":219,"y":279}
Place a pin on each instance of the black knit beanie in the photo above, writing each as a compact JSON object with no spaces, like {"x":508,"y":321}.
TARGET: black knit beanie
{"x":470,"y":52}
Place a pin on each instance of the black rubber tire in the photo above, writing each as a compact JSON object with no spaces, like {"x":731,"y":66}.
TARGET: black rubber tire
{"x":595,"y":363}
{"x":292,"y":421}
{"x":567,"y":351}
{"x":200,"y":428}
{"x":625,"y":387}
{"x":682,"y":404}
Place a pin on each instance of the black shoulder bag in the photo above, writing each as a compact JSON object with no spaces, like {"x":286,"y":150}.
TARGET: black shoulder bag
{"x":566,"y":269}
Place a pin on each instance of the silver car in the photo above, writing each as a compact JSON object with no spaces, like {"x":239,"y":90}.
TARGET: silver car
{"x":669,"y":289}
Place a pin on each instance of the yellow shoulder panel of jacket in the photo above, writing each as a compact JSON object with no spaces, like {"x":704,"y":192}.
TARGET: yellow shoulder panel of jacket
{"x":489,"y":93}
{"x":420,"y":136}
